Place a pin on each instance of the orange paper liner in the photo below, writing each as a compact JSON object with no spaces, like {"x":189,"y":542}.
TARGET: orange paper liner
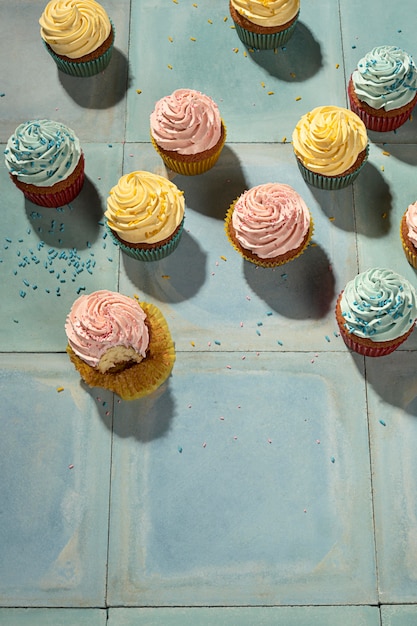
{"x":267,"y":262}
{"x":139,"y":379}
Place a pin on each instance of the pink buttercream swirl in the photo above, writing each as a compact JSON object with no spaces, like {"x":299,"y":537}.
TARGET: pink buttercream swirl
{"x":411,"y":221}
{"x":103,"y":320}
{"x":187,"y":122}
{"x":270,"y":220}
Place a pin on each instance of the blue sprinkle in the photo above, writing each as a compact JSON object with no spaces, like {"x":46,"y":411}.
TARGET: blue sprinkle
{"x":258,"y":332}
{"x":179,"y":449}
{"x":332,"y":459}
{"x":217,"y":343}
{"x":260,"y":323}
{"x":327,"y":338}
{"x":279,"y":342}
{"x":22,"y":293}
{"x":382,"y":422}
{"x":269,"y":313}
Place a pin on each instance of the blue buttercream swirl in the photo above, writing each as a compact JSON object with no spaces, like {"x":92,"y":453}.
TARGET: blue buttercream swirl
{"x":385,"y":78}
{"x":379,"y":304}
{"x":42,"y":152}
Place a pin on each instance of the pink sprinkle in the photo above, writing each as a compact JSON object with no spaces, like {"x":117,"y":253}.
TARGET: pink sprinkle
{"x":305,"y":510}
{"x":241,"y":324}
{"x":317,"y":440}
{"x":247,"y":297}
{"x":213,"y":274}
{"x":269,"y":440}
{"x":312,"y":361}
{"x":243,"y":357}
{"x":189,"y":406}
{"x":235,"y":437}
{"x":204,"y":444}
{"x":209,"y":344}
{"x":229,"y":367}
{"x":221,"y":417}
{"x":70,"y":466}
{"x":217,"y":264}
{"x":238,"y":406}
{"x":107,"y":412}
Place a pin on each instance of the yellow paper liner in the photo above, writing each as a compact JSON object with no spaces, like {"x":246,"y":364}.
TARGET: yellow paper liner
{"x":410,"y":250}
{"x":274,"y":262}
{"x":139,"y":379}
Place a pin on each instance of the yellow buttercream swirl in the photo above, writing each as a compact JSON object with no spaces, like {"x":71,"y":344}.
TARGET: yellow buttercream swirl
{"x":74,"y":28}
{"x":144,"y":207}
{"x":267,"y":13}
{"x":329,"y":139}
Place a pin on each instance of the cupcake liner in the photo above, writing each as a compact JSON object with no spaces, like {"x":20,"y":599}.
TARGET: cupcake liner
{"x":380,"y":123}
{"x":150,"y":254}
{"x":330,"y":183}
{"x":54,"y":199}
{"x":83,"y":69}
{"x":261,"y":41}
{"x":409,"y":250}
{"x":190,"y":168}
{"x":139,"y":379}
{"x":365,"y":349}
{"x":290,"y":256}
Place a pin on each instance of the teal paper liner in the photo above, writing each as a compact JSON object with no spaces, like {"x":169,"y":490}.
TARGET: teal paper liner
{"x":330,"y":183}
{"x":150,"y":254}
{"x":87,"y":68}
{"x":265,"y":42}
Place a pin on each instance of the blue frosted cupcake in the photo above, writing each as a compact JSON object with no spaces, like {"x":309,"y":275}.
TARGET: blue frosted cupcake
{"x":145,"y":215}
{"x":79,"y":36}
{"x":331,"y":147}
{"x":264,"y":25}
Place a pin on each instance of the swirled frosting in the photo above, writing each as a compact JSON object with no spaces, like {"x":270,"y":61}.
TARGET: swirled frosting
{"x":329,"y":139}
{"x":186,"y":122}
{"x":411,"y":221}
{"x":104,"y":320}
{"x":74,"y":28}
{"x":42,"y":152}
{"x":385,"y":78}
{"x":379,"y":304}
{"x":267,"y":13}
{"x":144,"y":207}
{"x":270,"y":220}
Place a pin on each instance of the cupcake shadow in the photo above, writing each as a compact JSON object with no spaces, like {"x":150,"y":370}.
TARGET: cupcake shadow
{"x":212,"y":193}
{"x":301,"y":289}
{"x":300,"y":59}
{"x":101,"y":91}
{"x":174,"y":279}
{"x":74,"y":225}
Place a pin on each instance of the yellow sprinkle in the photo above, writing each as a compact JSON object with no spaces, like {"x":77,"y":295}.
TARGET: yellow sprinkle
{"x":337,"y":66}
{"x":245,"y":54}
{"x":166,"y":276}
{"x":292,"y":74}
{"x":135,"y":295}
{"x":313,"y":244}
{"x":298,"y":98}
{"x":331,"y":219}
{"x":271,"y":93}
{"x":138,"y":90}
{"x":284,"y":139}
{"x":251,"y":50}
{"x":235,"y":50}
{"x":195,"y":5}
{"x":59,"y":389}
{"x":385,"y":153}
{"x":169,"y":67}
{"x":262,"y":84}
{"x":223,"y":258}
{"x":384,"y":216}
{"x":175,"y":1}
{"x":225,"y":19}
{"x":193,"y":39}
{"x":382,"y":168}
{"x":170,"y":39}
{"x":210,"y":22}
{"x":233,"y":27}
{"x":192,"y":343}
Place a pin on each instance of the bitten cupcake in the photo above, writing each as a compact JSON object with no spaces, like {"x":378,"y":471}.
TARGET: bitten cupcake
{"x":331,"y":146}
{"x":119,"y":344}
{"x":408,"y":234}
{"x":383,"y":88}
{"x":79,"y":36}
{"x":269,"y":224}
{"x":45,"y":162}
{"x":145,"y":215}
{"x":187,"y":131}
{"x":264,"y":24}
{"x":376,"y":312}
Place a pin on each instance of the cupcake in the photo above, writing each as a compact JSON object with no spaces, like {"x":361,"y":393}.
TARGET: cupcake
{"x":408,"y":234}
{"x":383,"y":88}
{"x":145,"y":215}
{"x":119,"y":344}
{"x":45,"y":162}
{"x":78,"y":35}
{"x":376,"y":312}
{"x":331,"y":146}
{"x":264,"y":25}
{"x":269,"y":224}
{"x":187,"y":131}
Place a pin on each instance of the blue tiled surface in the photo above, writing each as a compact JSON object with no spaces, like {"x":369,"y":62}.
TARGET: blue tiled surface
{"x":274,"y":472}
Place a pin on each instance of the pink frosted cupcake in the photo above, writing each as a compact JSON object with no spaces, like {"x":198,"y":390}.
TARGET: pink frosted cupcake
{"x":187,"y":131}
{"x":45,"y":162}
{"x":269,"y":224}
{"x":119,"y":344}
{"x":408,"y":234}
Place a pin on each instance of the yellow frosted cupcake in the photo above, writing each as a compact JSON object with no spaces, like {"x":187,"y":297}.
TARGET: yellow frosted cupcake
{"x":118,"y":344}
{"x":269,"y":224}
{"x":408,"y":234}
{"x":331,"y":146}
{"x":145,"y":215}
{"x":264,"y":24}
{"x":79,"y":36}
{"x":187,"y":131}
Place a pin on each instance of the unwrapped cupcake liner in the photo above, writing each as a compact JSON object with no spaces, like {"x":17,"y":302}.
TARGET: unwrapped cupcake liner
{"x":380,"y":123}
{"x":84,"y":69}
{"x":261,"y":41}
{"x":150,"y":254}
{"x":190,"y":168}
{"x":258,"y":260}
{"x":54,"y":199}
{"x":139,"y":379}
{"x":330,"y":183}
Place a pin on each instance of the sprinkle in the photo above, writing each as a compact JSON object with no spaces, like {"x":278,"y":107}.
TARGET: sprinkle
{"x":59,"y":389}
{"x":22,"y":293}
{"x":204,"y":444}
{"x":382,"y":168}
{"x":225,"y":19}
{"x":262,"y":84}
{"x":332,"y":459}
{"x":258,"y":332}
{"x":318,"y":441}
{"x":247,"y":297}
{"x":179,"y":449}
{"x":241,"y":324}
{"x":192,"y":343}
{"x":169,"y":67}
{"x":223,"y":258}
{"x":279,"y":342}
{"x":337,"y":66}
{"x":327,"y":338}
{"x":210,"y":22}
{"x":217,"y":343}
{"x":195,"y":5}
{"x":166,"y":276}
{"x":283,"y":140}
{"x":170,"y":39}
{"x":139,"y":91}
{"x":332,"y":218}
{"x":292,"y":74}
{"x":385,"y":153}
{"x":271,"y":93}
{"x":70,"y":466}
{"x":235,"y":50}
{"x":382,"y":422}
{"x":298,"y":98}
{"x":384,"y":216}
{"x":269,"y":313}
{"x":193,"y":39}
{"x":235,"y":437}
{"x":229,"y":367}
